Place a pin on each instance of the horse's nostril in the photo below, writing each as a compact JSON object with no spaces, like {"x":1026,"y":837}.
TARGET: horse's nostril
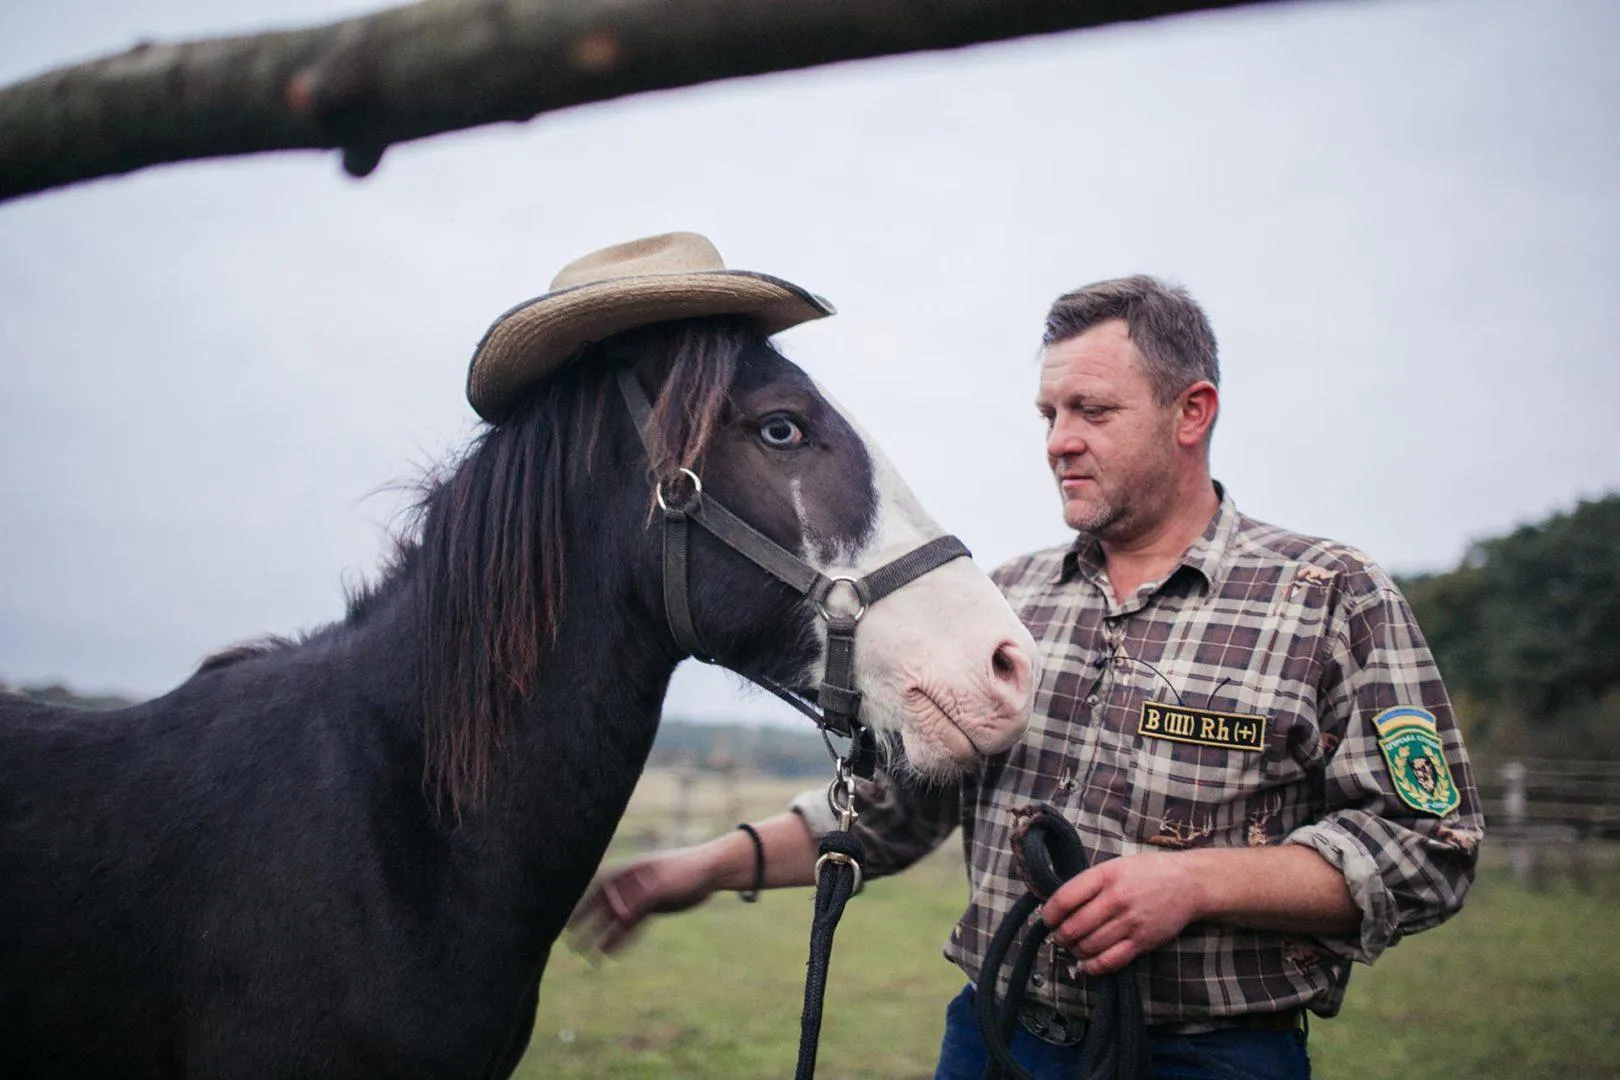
{"x":1010,"y":664}
{"x":1013,"y":672}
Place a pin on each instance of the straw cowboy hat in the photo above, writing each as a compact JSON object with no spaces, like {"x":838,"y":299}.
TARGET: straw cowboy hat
{"x":677,"y":275}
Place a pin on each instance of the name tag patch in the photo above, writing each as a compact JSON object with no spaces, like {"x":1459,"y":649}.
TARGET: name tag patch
{"x":1202,"y":727}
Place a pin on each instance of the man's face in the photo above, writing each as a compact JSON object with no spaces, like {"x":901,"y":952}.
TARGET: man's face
{"x":1109,"y":443}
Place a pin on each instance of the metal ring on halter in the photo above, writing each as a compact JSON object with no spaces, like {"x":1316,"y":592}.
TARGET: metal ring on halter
{"x":840,"y":857}
{"x":697,"y":491}
{"x":855,"y":587}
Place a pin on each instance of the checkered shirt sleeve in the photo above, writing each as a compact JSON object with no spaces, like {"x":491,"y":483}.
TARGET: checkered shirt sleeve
{"x":899,"y":819}
{"x":1407,"y":870}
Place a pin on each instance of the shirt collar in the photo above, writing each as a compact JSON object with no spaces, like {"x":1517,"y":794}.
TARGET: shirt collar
{"x":1207,"y":556}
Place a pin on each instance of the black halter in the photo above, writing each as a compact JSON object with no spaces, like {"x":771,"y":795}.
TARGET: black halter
{"x":682,"y":501}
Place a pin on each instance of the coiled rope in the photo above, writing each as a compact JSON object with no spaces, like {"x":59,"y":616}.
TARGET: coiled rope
{"x":1113,"y":1048}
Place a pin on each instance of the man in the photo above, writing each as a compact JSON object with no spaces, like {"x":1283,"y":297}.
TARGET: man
{"x":1230,"y":714}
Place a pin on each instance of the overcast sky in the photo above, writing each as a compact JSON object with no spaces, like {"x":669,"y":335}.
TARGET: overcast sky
{"x":1403,"y":218}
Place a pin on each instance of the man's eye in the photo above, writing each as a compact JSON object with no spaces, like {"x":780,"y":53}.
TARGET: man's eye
{"x":782,"y":432}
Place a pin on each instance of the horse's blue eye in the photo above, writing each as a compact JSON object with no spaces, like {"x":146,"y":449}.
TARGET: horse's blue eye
{"x":781,"y":432}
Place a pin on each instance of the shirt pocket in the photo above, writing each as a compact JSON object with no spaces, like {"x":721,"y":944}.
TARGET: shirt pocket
{"x":1207,"y":784}
{"x":1186,"y":793}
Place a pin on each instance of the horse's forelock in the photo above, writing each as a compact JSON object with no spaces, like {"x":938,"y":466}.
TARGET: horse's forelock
{"x":692,"y":401}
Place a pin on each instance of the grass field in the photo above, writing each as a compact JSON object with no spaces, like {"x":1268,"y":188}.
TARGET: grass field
{"x":1521,"y":985}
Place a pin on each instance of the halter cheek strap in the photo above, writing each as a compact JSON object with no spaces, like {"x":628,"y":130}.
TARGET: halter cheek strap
{"x":682,"y":502}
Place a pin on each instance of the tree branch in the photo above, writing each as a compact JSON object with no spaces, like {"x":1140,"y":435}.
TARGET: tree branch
{"x":442,"y":65}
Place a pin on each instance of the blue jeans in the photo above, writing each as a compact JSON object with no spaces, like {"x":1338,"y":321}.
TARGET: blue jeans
{"x":1227,"y":1054}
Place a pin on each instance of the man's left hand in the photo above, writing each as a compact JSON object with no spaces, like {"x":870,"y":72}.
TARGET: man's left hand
{"x":1118,"y":910}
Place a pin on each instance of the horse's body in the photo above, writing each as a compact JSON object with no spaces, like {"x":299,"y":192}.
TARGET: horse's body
{"x":246,"y":870}
{"x":350,"y":856}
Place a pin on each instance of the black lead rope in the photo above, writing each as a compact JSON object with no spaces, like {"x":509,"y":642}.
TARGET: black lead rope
{"x":838,"y":877}
{"x":1049,"y":850}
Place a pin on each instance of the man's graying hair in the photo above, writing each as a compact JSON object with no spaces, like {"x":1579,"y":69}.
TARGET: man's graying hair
{"x":1164,"y":321}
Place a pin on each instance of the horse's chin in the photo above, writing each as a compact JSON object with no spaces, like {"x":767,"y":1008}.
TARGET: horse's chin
{"x":936,"y":747}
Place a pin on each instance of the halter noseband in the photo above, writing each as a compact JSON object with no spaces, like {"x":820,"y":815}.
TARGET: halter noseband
{"x":839,"y":701}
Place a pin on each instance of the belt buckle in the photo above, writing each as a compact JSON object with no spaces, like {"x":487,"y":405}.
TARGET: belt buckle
{"x":1051,"y":1026}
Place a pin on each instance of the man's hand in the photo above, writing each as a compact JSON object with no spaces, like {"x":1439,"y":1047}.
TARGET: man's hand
{"x":620,"y":899}
{"x":1114,"y":912}
{"x":1118,"y":910}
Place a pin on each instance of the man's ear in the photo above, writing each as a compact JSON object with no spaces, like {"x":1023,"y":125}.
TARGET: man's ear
{"x":1196,"y":412}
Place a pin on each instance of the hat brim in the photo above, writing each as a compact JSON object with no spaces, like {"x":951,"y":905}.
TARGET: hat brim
{"x":537,"y":337}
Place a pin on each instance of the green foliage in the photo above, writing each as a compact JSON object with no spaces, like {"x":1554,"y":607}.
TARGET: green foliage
{"x":1527,"y":633}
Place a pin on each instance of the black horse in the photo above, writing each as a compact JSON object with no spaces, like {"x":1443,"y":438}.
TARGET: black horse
{"x":349,"y":855}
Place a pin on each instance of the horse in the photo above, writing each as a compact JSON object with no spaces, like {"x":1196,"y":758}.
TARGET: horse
{"x":349,"y":854}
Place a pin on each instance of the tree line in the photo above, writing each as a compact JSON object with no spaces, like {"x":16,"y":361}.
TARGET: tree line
{"x":1527,"y":635}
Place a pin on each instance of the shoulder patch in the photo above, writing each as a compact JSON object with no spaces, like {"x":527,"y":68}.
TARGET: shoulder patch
{"x":1417,"y":762}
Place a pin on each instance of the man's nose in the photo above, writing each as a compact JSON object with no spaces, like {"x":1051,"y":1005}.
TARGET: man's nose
{"x":1064,"y":440}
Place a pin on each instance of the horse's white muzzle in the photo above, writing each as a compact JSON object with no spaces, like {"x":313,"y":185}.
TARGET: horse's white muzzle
{"x":946,"y":663}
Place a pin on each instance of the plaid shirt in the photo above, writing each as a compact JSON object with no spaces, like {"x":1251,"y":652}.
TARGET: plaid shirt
{"x":1308,"y":636}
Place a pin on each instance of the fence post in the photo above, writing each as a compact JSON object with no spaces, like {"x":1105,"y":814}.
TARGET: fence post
{"x":1521,"y":853}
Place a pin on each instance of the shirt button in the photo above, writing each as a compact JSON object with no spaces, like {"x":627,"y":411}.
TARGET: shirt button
{"x":1036,"y":981}
{"x":1092,"y":700}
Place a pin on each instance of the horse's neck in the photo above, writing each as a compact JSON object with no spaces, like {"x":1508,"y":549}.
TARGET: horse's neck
{"x":558,"y":790}
{"x":580,"y":748}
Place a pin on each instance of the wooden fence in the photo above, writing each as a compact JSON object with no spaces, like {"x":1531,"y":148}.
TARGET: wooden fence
{"x":1551,"y":815}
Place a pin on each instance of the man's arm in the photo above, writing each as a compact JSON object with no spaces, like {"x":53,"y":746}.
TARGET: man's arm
{"x":1408,"y":859}
{"x":897,"y":824}
{"x":1114,"y":912}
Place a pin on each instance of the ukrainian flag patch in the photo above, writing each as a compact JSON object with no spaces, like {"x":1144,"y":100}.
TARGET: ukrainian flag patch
{"x":1411,"y":744}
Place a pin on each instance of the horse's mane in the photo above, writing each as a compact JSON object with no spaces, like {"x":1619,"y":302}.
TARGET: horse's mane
{"x":245,"y":650}
{"x":483,"y":544}
{"x":488,"y":554}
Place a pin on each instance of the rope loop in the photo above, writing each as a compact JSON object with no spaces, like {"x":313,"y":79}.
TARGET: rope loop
{"x":1049,"y":851}
{"x":842,"y":848}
